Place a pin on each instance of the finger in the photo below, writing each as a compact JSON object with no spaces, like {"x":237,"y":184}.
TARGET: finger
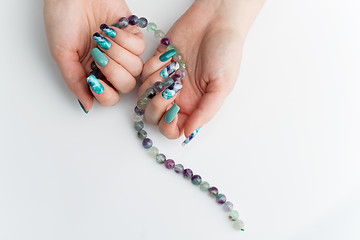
{"x":75,"y":77}
{"x":171,"y":122}
{"x":157,"y":62}
{"x":131,"y":62}
{"x":116,"y":74}
{"x":104,"y":94}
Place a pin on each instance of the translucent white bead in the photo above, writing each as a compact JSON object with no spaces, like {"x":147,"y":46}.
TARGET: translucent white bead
{"x":153,"y":151}
{"x":239,"y":225}
{"x":159,"y":34}
{"x":137,"y":118}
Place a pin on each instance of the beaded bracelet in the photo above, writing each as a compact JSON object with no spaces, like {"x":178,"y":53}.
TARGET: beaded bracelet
{"x":173,"y":74}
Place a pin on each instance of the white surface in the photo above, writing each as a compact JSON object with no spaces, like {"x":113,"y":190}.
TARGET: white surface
{"x":284,"y":148}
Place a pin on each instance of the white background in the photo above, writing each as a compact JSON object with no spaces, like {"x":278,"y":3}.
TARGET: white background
{"x":284,"y":147}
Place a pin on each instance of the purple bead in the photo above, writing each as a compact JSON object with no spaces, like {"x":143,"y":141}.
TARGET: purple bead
{"x":220,"y":199}
{"x":213,"y":191}
{"x":147,"y":143}
{"x":179,"y":168}
{"x":143,"y":22}
{"x":158,"y":86}
{"x":182,"y":73}
{"x":138,"y":111}
{"x":133,"y":20}
{"x":176,"y":77}
{"x":123,"y":22}
{"x":169,"y":164}
{"x":188,"y":173}
{"x":196,"y":179}
{"x":165,"y":41}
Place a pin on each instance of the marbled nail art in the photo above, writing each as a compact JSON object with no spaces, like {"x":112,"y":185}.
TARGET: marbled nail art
{"x":172,"y":90}
{"x":108,"y":30}
{"x":170,"y":69}
{"x":101,"y":41}
{"x":189,"y":138}
{"x":95,"y":85}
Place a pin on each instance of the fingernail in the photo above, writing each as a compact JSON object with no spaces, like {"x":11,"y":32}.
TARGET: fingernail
{"x":99,"y":57}
{"x":95,"y":85}
{"x":171,"y":113}
{"x":101,"y":41}
{"x":170,"y":69}
{"x":82,"y":107}
{"x":189,"y":138}
{"x":108,"y":30}
{"x":172,"y":90}
{"x":167,"y":55}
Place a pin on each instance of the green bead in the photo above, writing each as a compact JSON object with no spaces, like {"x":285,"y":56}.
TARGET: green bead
{"x":204,"y":186}
{"x":141,"y":105}
{"x":182,"y":64}
{"x":160,"y":158}
{"x":159,"y":34}
{"x":138,"y":126}
{"x":178,"y":57}
{"x":153,"y":151}
{"x":151,"y":27}
{"x":142,"y":134}
{"x":171,"y":47}
{"x":233,"y":215}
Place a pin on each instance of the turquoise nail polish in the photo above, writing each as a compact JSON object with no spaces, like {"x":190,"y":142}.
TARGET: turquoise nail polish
{"x":170,"y":115}
{"x":95,"y":85}
{"x":101,"y":41}
{"x":189,"y":138}
{"x":172,"y":90}
{"x":99,"y":57}
{"x":167,"y":55}
{"x":108,"y":30}
{"x":82,"y":107}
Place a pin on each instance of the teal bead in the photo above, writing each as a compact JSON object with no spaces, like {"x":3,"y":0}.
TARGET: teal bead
{"x":204,"y":186}
{"x":138,"y":126}
{"x":151,"y":27}
{"x":167,"y":55}
{"x":233,"y":215}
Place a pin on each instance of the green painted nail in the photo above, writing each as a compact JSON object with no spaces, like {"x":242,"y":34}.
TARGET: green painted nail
{"x":95,"y":84}
{"x":171,"y":113}
{"x":99,"y":57}
{"x":82,"y":107}
{"x":167,"y":55}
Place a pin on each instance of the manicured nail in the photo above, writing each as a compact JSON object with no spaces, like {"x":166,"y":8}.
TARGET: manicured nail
{"x":108,"y":30}
{"x":101,"y":41}
{"x":189,"y":138}
{"x":82,"y":107}
{"x":99,"y":57}
{"x":95,"y":85}
{"x":171,"y":113}
{"x":167,"y":55}
{"x":172,"y":90}
{"x":170,"y":69}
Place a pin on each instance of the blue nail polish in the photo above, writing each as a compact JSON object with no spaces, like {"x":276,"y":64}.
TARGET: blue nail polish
{"x":82,"y":107}
{"x":101,"y":41}
{"x":108,"y":30}
{"x":95,"y":85}
{"x":171,"y":113}
{"x":189,"y":138}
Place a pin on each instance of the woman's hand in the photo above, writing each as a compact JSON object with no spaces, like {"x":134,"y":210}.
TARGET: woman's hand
{"x":70,"y":25}
{"x":210,"y":36}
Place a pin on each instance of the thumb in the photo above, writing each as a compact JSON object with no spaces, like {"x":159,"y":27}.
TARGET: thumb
{"x":75,"y":77}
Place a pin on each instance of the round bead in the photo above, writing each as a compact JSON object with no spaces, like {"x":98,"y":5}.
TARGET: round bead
{"x":93,"y":66}
{"x":153,"y":151}
{"x":137,"y":118}
{"x":123,"y":22}
{"x":147,"y":143}
{"x":158,"y":86}
{"x":142,"y":134}
{"x":115,"y":25}
{"x":138,"y":111}
{"x":133,"y":20}
{"x":228,"y":206}
{"x":213,"y":191}
{"x":176,"y":77}
{"x":188,"y":173}
{"x":168,"y":82}
{"x":159,"y":34}
{"x":178,"y":57}
{"x":160,"y":158}
{"x":179,"y":168}
{"x":196,"y":179}
{"x":220,"y":199}
{"x":151,"y":27}
{"x":141,"y":105}
{"x":182,"y":64}
{"x":143,"y":22}
{"x":138,"y":126}
{"x":169,"y":164}
{"x":204,"y":186}
{"x":165,"y":41}
{"x":182,"y":73}
{"x":239,"y":225}
{"x":149,"y":93}
{"x":171,"y":47}
{"x":233,"y":215}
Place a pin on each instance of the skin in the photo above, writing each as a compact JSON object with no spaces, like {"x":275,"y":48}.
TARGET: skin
{"x":212,"y":48}
{"x":70,"y":25}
